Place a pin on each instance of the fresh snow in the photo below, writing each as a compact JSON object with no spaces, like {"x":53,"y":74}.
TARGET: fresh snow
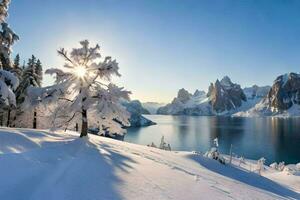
{"x":39,"y":164}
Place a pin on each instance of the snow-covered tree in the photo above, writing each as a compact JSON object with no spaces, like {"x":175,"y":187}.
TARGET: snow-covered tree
{"x":7,"y":37}
{"x":8,"y":82}
{"x":17,"y":70}
{"x":83,"y":90}
{"x":31,"y":77}
{"x":260,"y":165}
{"x":39,"y":72}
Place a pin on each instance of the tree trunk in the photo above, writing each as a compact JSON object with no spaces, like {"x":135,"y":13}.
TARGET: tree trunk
{"x":76,"y":127}
{"x":84,"y":125}
{"x":8,"y":118}
{"x":1,"y":119}
{"x":34,"y":120}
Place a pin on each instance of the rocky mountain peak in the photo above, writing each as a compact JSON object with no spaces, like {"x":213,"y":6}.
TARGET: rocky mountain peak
{"x":225,"y":95}
{"x":285,"y":92}
{"x":226,"y":82}
{"x":183,"y":96}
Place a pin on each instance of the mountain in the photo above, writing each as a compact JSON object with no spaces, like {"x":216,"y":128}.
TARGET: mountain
{"x":184,"y":100}
{"x":136,"y":111}
{"x":256,"y":92}
{"x":283,"y":99}
{"x":225,"y":96}
{"x":152,"y":106}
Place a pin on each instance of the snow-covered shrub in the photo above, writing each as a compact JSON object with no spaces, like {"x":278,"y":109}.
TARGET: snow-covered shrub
{"x":241,"y":160}
{"x":213,"y":153}
{"x":298,"y":166}
{"x":281,"y":166}
{"x":216,"y":142}
{"x":292,"y":169}
{"x":274,"y":166}
{"x":163,"y":145}
{"x":152,"y":145}
{"x":8,"y":83}
{"x":260,"y":165}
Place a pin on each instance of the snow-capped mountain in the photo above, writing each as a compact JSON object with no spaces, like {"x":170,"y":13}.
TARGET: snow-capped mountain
{"x":283,"y":99}
{"x":256,"y":92}
{"x":223,"y":98}
{"x":152,"y":106}
{"x":184,"y":100}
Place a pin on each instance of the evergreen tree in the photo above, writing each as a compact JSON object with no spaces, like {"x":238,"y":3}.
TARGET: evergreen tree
{"x":8,"y":82}
{"x":31,"y":77}
{"x":17,"y":70}
{"x":39,"y":72}
{"x":28,"y":79}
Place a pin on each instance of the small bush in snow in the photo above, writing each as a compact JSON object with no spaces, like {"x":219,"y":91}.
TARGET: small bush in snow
{"x":298,"y":166}
{"x":214,"y":154}
{"x":274,"y":166}
{"x":260,"y":165}
{"x":241,"y":160}
{"x":163,"y":145}
{"x":281,"y":166}
{"x":152,"y":145}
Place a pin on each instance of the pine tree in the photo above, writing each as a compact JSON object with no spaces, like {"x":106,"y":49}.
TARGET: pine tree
{"x":17,"y":70}
{"x":8,"y":82}
{"x":28,"y":79}
{"x":39,"y":72}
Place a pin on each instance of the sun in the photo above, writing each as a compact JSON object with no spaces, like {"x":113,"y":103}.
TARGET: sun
{"x":80,"y":71}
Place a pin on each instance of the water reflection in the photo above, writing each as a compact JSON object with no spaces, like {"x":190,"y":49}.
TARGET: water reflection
{"x":274,"y":138}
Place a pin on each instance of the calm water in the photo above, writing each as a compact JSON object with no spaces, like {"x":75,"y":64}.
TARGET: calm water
{"x":273,"y":138}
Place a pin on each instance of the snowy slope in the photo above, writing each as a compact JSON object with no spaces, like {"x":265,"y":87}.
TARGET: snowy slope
{"x":45,"y":165}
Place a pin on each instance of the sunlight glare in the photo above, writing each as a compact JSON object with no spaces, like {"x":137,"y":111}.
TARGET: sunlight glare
{"x":80,"y":71}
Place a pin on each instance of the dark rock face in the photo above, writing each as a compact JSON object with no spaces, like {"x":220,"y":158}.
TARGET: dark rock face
{"x":285,"y":92}
{"x":225,"y":95}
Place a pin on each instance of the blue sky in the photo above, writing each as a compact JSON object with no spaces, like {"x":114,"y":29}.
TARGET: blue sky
{"x":164,"y":45}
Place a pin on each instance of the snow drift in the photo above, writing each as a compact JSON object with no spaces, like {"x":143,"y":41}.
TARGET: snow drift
{"x":37,"y":164}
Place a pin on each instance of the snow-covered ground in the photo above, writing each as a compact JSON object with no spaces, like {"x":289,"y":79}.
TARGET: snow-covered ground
{"x":56,"y":165}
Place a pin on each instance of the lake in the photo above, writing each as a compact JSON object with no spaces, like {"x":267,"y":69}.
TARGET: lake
{"x":275,"y":139}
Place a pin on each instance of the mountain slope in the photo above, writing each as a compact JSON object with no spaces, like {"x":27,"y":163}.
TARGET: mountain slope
{"x":38,"y":164}
{"x":283,"y":99}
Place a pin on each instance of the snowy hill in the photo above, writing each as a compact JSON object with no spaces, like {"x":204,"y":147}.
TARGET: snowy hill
{"x":37,"y":164}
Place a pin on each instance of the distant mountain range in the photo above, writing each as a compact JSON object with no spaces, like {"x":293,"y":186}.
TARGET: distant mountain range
{"x":152,"y":107}
{"x":136,"y":111}
{"x":227,"y":98}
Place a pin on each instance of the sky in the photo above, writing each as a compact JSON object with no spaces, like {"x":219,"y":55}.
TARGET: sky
{"x":164,"y":45}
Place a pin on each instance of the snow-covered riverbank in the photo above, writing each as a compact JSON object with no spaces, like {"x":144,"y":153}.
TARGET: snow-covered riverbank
{"x":56,"y":165}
